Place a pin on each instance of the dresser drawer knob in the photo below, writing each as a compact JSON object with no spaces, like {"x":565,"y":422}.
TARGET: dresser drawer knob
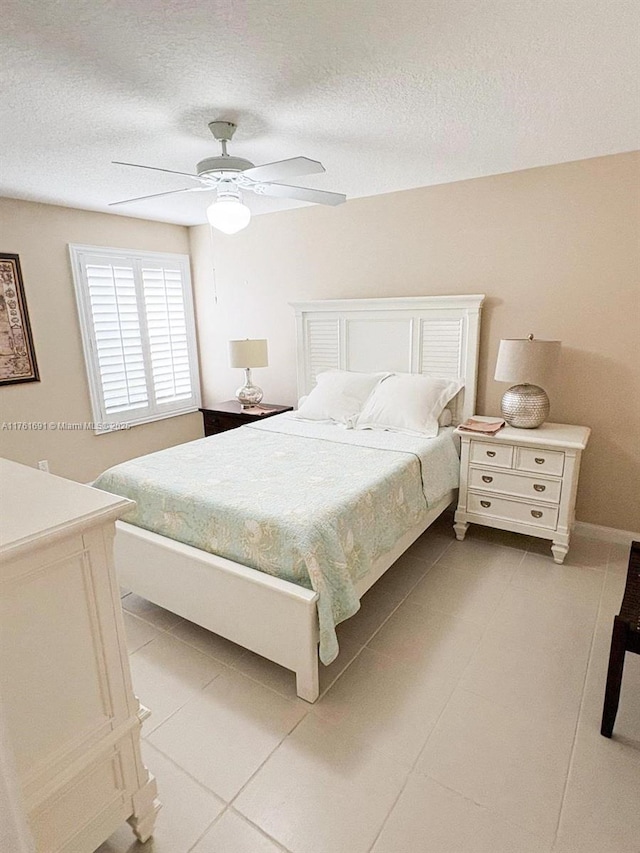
{"x":536,"y":513}
{"x":486,"y":479}
{"x":491,"y":453}
{"x":488,"y":503}
{"x":539,"y":460}
{"x":538,"y":487}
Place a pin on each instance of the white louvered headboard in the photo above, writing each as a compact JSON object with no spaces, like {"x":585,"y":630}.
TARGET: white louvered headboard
{"x":438,"y":335}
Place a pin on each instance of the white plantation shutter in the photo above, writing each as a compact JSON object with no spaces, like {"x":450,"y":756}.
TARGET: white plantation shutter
{"x":138,"y":333}
{"x":118,"y":340}
{"x":167,"y":329}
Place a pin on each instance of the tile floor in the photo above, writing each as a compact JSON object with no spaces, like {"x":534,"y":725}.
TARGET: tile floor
{"x":462,"y":716}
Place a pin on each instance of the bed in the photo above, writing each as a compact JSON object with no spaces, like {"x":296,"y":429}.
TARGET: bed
{"x":280,"y":611}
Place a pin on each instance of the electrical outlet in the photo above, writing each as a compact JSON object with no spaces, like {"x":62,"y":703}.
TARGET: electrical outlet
{"x":43,"y":465}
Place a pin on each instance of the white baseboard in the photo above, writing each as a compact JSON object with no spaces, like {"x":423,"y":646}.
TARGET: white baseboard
{"x":608,"y":534}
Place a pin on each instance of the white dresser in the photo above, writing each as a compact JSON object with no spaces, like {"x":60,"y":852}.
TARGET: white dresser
{"x":65,"y":688}
{"x":523,"y":480}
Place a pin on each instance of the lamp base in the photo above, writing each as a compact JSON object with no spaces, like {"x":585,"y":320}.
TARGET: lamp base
{"x":525,"y":406}
{"x":249,"y":394}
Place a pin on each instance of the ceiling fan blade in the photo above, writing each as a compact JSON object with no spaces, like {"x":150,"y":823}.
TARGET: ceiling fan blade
{"x":300,"y":193}
{"x":157,"y":195}
{"x":284,"y":169}
{"x":155,"y":169}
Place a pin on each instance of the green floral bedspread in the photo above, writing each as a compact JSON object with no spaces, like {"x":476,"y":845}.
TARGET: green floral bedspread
{"x":314,"y":504}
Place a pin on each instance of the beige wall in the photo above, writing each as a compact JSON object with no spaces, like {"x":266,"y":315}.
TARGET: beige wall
{"x":555,"y":250}
{"x":40,"y":234}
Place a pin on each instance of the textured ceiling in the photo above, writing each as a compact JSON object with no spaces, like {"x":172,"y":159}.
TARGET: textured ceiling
{"x":388,"y":94}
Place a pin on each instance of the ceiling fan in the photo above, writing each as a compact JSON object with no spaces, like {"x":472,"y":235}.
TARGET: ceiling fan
{"x":229,"y":176}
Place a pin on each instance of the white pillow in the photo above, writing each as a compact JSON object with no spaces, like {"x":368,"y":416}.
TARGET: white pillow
{"x":338,"y":396}
{"x":408,"y":402}
{"x":446,"y":418}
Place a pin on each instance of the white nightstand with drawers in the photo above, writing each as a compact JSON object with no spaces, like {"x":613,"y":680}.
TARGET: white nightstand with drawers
{"x":523,"y":480}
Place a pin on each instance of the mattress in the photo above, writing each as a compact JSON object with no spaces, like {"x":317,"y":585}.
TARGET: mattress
{"x":312,"y":503}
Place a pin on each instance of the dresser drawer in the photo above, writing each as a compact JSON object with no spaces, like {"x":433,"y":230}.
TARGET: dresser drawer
{"x":534,"y":515}
{"x":542,"y":461}
{"x":85,"y":800}
{"x":484,"y":453}
{"x":518,"y":485}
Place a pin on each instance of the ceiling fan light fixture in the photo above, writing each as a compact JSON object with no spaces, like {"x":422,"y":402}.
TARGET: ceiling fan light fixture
{"x":227,"y":213}
{"x":229,"y":174}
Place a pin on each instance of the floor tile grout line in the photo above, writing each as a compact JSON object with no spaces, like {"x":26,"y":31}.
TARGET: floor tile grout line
{"x":228,"y":804}
{"x":188,"y":774}
{"x":226,"y":810}
{"x":170,"y":633}
{"x":337,"y":678}
{"x":388,"y":815}
{"x":260,"y":829}
{"x":385,"y":620}
{"x":461,"y":676}
{"x":131,"y":652}
{"x":399,"y":604}
{"x":439,"y":717}
{"x":153,"y":624}
{"x":450,"y":615}
{"x":262,"y":763}
{"x":477,"y":803}
{"x":216,"y":819}
{"x":489,"y":809}
{"x":428,"y":608}
{"x":196,"y":695}
{"x":579,"y":715}
{"x":365,"y":644}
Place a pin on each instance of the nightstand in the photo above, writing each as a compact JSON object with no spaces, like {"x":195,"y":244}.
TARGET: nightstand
{"x":524,"y":480}
{"x":230,"y":414}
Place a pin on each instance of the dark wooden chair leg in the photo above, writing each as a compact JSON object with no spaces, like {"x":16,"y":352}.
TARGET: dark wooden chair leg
{"x":614,"y":675}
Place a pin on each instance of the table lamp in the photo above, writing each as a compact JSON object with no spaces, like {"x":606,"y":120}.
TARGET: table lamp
{"x":527,"y":362}
{"x":247,"y":354}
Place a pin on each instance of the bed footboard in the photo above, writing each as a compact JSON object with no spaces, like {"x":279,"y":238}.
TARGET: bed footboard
{"x":269,"y":616}
{"x":272,"y":617}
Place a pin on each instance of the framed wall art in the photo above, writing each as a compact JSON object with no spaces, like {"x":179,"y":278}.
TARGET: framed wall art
{"x":17,"y":355}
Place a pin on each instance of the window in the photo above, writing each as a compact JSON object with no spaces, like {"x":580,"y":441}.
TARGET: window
{"x":138,"y":333}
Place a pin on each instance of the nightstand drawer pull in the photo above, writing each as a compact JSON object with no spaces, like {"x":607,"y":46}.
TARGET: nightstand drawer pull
{"x":510,"y":511}
{"x":496,"y":455}
{"x":530,"y":459}
{"x":513,"y":484}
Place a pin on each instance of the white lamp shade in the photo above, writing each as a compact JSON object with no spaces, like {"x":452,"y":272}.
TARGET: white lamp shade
{"x":527,"y":361}
{"x":248,"y":353}
{"x":228,"y":215}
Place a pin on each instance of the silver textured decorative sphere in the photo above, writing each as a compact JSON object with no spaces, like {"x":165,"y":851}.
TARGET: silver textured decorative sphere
{"x":525,"y":406}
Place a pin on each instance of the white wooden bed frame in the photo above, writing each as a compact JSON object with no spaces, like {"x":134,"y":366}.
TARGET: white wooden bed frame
{"x":277,"y":619}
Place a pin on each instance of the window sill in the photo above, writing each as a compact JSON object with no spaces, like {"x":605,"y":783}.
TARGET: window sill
{"x":126,"y":425}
